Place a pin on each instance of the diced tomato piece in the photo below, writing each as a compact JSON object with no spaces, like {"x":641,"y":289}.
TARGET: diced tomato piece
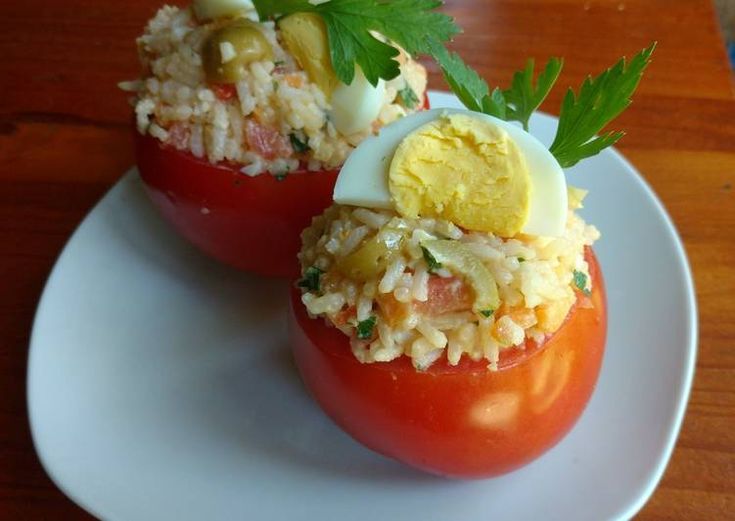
{"x":445,"y":296}
{"x":392,"y":311}
{"x":266,"y":141}
{"x":224,"y":91}
{"x":344,"y":316}
{"x":294,"y":80}
{"x":178,"y":136}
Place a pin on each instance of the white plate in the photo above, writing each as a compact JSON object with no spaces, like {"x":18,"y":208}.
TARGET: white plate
{"x":161,"y":386}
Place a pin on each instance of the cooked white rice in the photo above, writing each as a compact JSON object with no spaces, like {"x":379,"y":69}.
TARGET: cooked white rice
{"x":175,"y":104}
{"x":534,"y":275}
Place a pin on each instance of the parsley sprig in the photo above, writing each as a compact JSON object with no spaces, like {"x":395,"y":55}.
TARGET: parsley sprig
{"x":600,"y":100}
{"x":523,"y":97}
{"x":412,"y":24}
{"x":582,"y":116}
{"x":468,"y":86}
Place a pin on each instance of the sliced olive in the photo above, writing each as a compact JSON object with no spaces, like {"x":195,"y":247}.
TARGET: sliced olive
{"x":305,"y":36}
{"x":229,"y":50}
{"x":456,"y":257}
{"x":373,"y":257}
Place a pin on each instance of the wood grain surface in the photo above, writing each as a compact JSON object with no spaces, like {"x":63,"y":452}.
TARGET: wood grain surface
{"x":65,"y":139}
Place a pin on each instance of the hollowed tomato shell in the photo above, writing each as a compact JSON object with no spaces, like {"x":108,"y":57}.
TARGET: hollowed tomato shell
{"x":251,"y":223}
{"x":463,"y":421}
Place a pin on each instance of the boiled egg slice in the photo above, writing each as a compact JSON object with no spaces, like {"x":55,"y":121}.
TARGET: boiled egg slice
{"x":364,"y":178}
{"x":210,"y":9}
{"x":357,"y":105}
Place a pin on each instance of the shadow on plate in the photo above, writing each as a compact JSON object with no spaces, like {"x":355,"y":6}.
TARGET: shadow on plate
{"x":246,"y":396}
{"x":277,"y":417}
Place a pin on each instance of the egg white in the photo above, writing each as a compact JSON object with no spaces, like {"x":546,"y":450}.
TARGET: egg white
{"x":363,"y":180}
{"x":211,"y":9}
{"x":357,"y":105}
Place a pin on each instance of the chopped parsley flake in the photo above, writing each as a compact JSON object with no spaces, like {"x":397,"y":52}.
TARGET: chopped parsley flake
{"x":311,"y":279}
{"x":281,"y":176}
{"x":431,"y":262}
{"x":298,"y":146}
{"x":487,"y":312}
{"x":580,"y":280}
{"x":365,"y":328}
{"x":408,"y":97}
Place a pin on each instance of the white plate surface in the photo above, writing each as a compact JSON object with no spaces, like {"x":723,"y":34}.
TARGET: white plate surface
{"x":161,"y":386}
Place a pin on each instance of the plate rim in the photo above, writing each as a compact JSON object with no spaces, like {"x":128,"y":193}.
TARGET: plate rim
{"x":689,"y":366}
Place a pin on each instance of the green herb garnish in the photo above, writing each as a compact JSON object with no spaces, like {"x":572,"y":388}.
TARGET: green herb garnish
{"x":523,"y":97}
{"x":580,"y":280}
{"x":281,"y":176}
{"x":365,"y":328}
{"x":468,"y":86}
{"x":521,"y":259}
{"x":408,"y":97}
{"x":311,"y":279}
{"x":600,"y":100}
{"x":298,"y":146}
{"x":431,"y":261}
{"x":414,"y":25}
{"x":487,"y":312}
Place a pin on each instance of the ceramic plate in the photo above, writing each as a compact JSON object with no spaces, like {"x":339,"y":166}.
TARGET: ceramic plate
{"x":161,"y":386}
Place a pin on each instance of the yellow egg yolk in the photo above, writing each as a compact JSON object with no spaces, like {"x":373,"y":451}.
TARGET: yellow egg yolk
{"x":465,"y":170}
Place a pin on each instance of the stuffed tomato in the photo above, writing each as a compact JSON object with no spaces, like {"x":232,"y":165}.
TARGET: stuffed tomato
{"x":451,"y":313}
{"x":458,"y":420}
{"x":242,"y":125}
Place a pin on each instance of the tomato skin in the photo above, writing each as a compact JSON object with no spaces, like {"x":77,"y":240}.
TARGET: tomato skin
{"x":251,"y":223}
{"x":463,"y":421}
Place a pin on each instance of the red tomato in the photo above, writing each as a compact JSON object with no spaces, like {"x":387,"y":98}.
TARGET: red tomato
{"x":224,"y":91}
{"x":463,"y":421}
{"x":252,"y":223}
{"x":445,"y":295}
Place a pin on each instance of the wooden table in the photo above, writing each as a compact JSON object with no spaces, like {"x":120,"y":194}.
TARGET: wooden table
{"x":64,"y":140}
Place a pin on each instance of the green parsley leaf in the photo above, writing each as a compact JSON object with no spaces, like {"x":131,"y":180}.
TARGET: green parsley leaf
{"x":495,"y":104}
{"x":311,"y":279}
{"x":408,"y":97}
{"x":298,"y":146}
{"x":580,"y":280}
{"x":281,"y":176}
{"x":487,"y":312}
{"x":521,"y":259}
{"x":365,"y":328}
{"x":464,"y":81}
{"x":600,"y":100}
{"x":468,"y":86}
{"x":412,"y":24}
{"x":523,"y":97}
{"x":431,"y":261}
